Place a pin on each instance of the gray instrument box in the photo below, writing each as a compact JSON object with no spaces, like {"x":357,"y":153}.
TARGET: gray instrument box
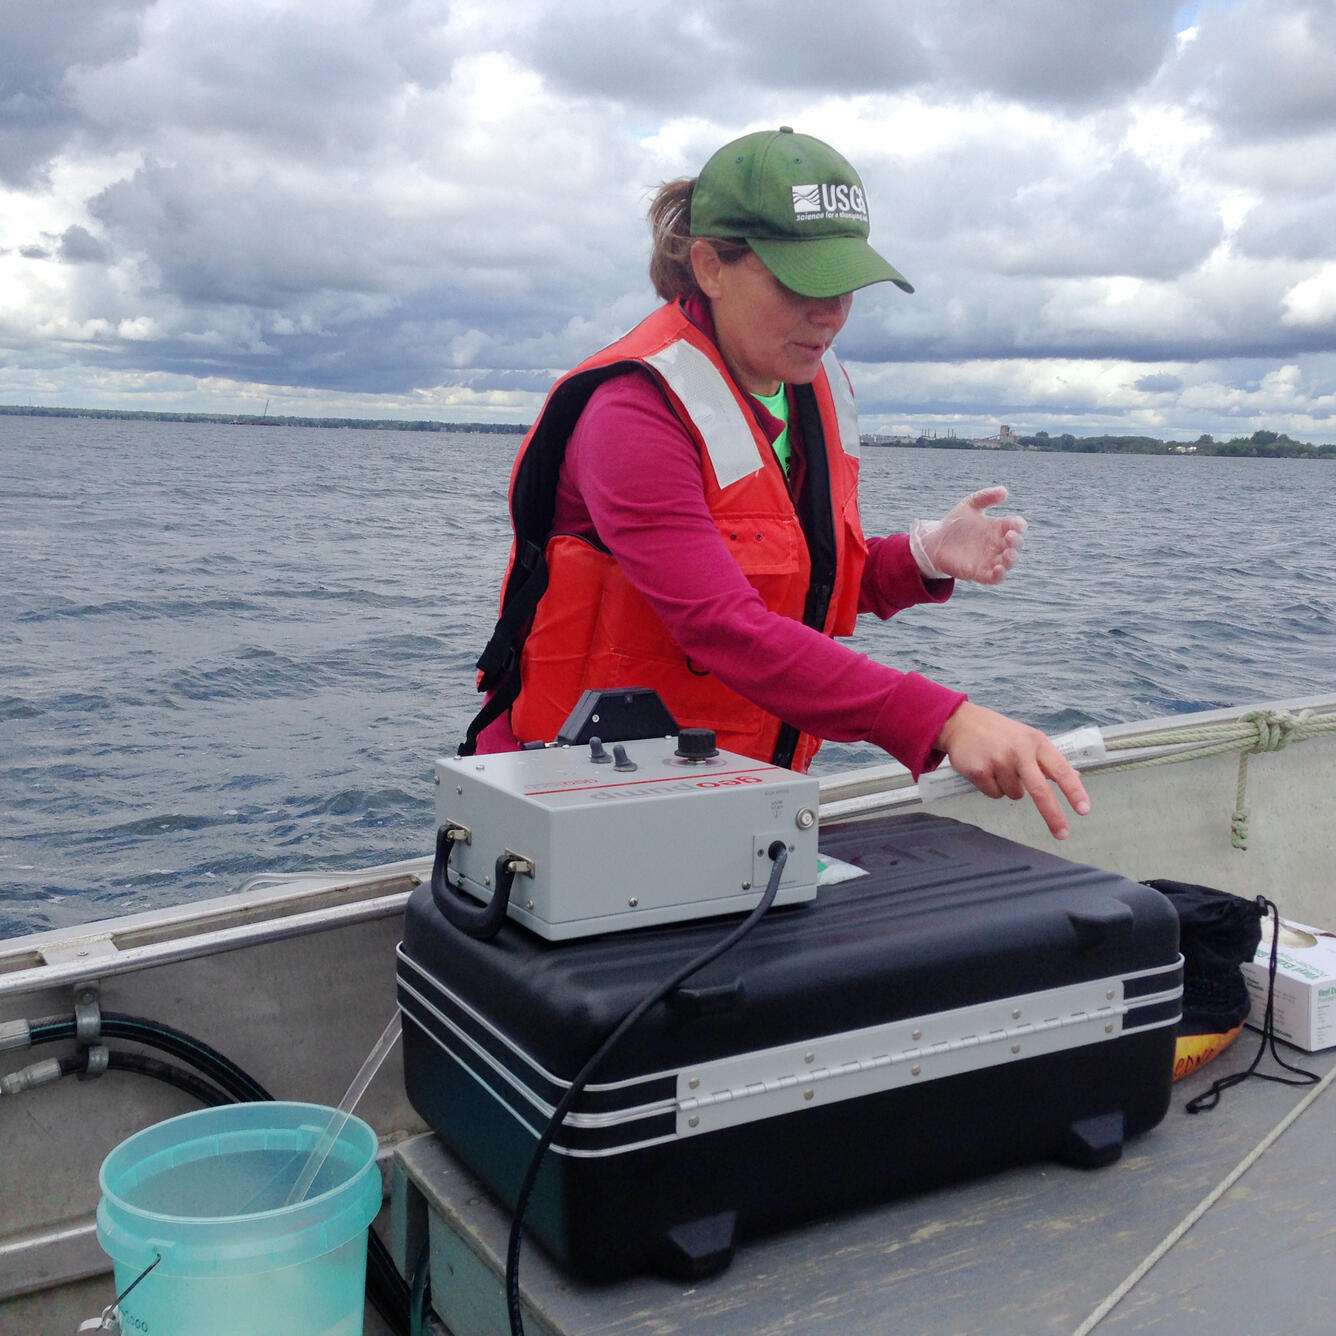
{"x":618,"y":848}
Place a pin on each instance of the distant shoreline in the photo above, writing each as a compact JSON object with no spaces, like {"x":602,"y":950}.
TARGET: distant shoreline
{"x":266,"y":420}
{"x":1260,"y":445}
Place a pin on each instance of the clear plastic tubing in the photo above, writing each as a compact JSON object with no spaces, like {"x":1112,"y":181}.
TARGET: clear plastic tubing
{"x":379,"y":1052}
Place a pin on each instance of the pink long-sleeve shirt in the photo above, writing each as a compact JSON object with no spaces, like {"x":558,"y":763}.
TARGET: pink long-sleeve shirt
{"x":632,"y":478}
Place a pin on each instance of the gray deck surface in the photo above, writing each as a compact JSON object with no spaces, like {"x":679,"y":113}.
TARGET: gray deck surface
{"x":1032,"y":1251}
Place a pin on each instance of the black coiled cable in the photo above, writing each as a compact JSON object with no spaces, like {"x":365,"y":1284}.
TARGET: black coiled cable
{"x":779,"y":853}
{"x":1208,"y":1099}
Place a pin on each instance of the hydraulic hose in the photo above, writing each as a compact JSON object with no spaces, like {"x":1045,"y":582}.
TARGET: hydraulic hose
{"x":119,"y":1061}
{"x":166,"y":1072}
{"x":97,"y":1059}
{"x":154,"y":1034}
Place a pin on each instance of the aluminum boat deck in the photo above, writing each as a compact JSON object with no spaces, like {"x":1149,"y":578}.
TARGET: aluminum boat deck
{"x":1031,"y":1251}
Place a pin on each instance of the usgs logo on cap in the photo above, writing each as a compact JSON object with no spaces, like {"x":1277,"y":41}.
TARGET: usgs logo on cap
{"x":831,"y":200}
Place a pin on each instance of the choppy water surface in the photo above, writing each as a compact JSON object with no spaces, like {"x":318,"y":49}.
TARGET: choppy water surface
{"x":226,"y":650}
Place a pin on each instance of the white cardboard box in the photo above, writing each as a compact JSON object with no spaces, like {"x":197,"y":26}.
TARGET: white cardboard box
{"x":1305,"y":1010}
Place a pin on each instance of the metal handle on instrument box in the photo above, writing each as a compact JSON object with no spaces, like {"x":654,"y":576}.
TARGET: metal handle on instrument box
{"x":482,"y":922}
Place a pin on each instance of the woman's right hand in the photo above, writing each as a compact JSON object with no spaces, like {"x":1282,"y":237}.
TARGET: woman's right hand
{"x":1004,"y":758}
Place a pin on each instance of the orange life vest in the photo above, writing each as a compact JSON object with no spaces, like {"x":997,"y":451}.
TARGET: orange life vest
{"x":591,"y":628}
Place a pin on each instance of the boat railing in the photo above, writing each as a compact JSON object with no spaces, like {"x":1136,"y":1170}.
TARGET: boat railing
{"x":268,"y":908}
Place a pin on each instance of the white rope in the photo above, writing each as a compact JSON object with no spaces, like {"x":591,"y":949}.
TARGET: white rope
{"x":1205,"y":1205}
{"x":1254,"y":732}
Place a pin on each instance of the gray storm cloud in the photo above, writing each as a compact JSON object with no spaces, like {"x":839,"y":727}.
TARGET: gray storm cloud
{"x":420,"y":203}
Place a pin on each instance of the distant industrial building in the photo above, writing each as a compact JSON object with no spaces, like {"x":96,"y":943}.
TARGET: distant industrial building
{"x":1005,"y":439}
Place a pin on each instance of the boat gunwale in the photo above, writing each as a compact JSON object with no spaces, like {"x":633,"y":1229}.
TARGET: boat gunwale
{"x":91,"y":951}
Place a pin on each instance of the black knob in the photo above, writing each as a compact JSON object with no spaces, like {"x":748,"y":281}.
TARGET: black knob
{"x":696,"y":744}
{"x":597,"y":754}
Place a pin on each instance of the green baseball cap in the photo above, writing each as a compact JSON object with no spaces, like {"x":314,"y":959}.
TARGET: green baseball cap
{"x":799,"y":205}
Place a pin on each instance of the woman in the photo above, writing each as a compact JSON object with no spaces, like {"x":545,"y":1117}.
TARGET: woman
{"x":685,"y":508}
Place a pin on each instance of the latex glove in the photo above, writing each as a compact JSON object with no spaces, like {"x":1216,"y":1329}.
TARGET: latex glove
{"x":1004,"y":758}
{"x":968,"y":544}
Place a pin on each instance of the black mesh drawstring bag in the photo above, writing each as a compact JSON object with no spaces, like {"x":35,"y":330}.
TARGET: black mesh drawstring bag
{"x":1218,"y":932}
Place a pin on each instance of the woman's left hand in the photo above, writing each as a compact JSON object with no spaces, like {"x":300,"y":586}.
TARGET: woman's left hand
{"x":967,"y":544}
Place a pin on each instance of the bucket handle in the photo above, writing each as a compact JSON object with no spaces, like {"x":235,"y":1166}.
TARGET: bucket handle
{"x":110,"y":1317}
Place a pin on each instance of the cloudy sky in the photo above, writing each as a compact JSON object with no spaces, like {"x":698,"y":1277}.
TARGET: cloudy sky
{"x":1118,"y":215}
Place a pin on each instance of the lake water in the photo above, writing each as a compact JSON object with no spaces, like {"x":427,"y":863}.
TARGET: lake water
{"x":227,"y":650}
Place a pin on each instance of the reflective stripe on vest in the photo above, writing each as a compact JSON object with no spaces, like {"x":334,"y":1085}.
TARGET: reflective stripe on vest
{"x":846,"y":412}
{"x":715,"y":412}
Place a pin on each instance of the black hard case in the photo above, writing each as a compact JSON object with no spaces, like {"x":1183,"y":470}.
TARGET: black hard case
{"x":844,"y":1000}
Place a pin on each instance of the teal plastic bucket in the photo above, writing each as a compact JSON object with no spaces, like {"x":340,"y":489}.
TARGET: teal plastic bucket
{"x":205,"y":1192}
